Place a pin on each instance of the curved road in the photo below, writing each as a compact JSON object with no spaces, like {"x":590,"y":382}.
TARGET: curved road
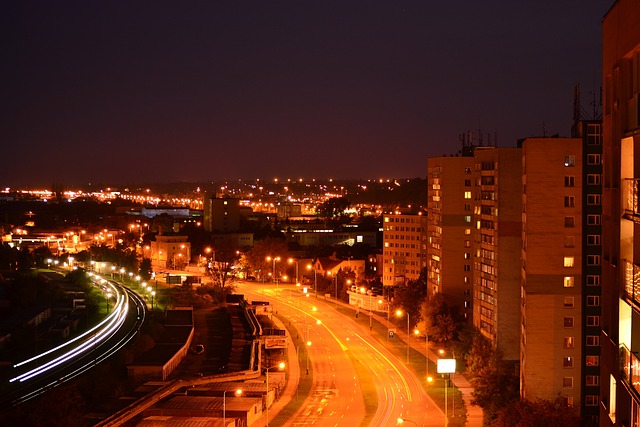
{"x":339,"y":344}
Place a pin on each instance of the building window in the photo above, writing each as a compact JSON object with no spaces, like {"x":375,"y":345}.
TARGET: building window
{"x":569,"y":181}
{"x":591,"y":400}
{"x":568,"y":302}
{"x":569,"y":161}
{"x":467,"y":218}
{"x":569,"y":222}
{"x":593,"y":219}
{"x":467,"y":231}
{"x":593,"y":300}
{"x":593,"y":280}
{"x":593,"y":199}
{"x":593,"y":240}
{"x":593,"y":320}
{"x":568,"y":322}
{"x":567,"y":362}
{"x":593,"y":159}
{"x":593,"y":340}
{"x":467,"y":194}
{"x":593,"y":179}
{"x":467,"y":183}
{"x":569,"y":281}
{"x":568,"y":401}
{"x":593,"y":259}
{"x":567,"y":382}
{"x":592,"y":380}
{"x":568,"y":261}
{"x":569,"y":201}
{"x":568,"y":342}
{"x":592,"y":360}
{"x":569,"y":241}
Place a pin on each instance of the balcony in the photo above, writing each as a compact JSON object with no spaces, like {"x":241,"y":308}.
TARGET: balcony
{"x":630,"y":368}
{"x":632,"y":281}
{"x":630,"y":199}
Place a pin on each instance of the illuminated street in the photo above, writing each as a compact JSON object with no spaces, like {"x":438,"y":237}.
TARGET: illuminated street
{"x":338,"y":345}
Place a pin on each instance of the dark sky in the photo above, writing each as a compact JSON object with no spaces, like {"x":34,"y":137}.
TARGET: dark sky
{"x":146,"y":91}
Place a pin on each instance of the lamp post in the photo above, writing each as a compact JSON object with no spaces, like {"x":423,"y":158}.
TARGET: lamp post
{"x":315,"y":279}
{"x":274,"y":259}
{"x":153,"y":294}
{"x":426,"y":343}
{"x":108,"y":297}
{"x":280,"y":366}
{"x":238,"y":392}
{"x":399,"y":314}
{"x":291,"y":261}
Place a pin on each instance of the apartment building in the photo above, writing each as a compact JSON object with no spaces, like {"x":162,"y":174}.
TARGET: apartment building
{"x":221,"y":215}
{"x":497,"y":242}
{"x":619,"y":400}
{"x":450,"y":204}
{"x":404,"y":246}
{"x":560,"y":301}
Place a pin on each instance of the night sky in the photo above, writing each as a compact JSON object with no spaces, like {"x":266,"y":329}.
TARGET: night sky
{"x":119,"y":92}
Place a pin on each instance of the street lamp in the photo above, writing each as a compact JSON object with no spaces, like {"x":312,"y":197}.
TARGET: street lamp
{"x":280,"y":367}
{"x":291,"y":261}
{"x":315,"y":278}
{"x":238,"y":392}
{"x":274,"y":259}
{"x":399,"y":314}
{"x":108,"y":297}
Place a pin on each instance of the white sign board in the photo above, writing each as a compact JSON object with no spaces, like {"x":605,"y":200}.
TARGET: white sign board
{"x":446,"y":366}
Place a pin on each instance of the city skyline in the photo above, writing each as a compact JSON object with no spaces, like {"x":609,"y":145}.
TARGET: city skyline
{"x":123,"y":93}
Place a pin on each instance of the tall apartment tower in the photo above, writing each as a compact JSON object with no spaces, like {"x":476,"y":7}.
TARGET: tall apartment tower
{"x":404,"y":247}
{"x":497,"y":242}
{"x":560,"y":304}
{"x":620,"y":340}
{"x":221,"y":215}
{"x":449,"y":228}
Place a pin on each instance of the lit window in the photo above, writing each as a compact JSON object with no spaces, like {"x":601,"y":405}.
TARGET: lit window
{"x":592,"y":360}
{"x":567,"y":362}
{"x":467,"y":194}
{"x":569,"y":281}
{"x":568,"y":261}
{"x":569,"y":161}
{"x":568,"y":342}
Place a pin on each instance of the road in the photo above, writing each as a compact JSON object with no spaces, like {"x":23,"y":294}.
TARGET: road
{"x":38,"y":374}
{"x":345,"y":360}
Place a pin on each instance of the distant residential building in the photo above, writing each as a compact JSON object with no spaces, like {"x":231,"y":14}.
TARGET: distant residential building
{"x":221,"y":215}
{"x":404,"y":247}
{"x":288,"y":209}
{"x":170,"y":251}
{"x":322,"y":236}
{"x":497,"y":242}
{"x":450,"y":204}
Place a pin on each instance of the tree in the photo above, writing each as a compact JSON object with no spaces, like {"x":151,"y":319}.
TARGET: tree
{"x":257,"y":256}
{"x":494,"y":385}
{"x":145,"y":270}
{"x":412,"y":296}
{"x":333,"y":209}
{"x":525,"y":413}
{"x":222,"y":269}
